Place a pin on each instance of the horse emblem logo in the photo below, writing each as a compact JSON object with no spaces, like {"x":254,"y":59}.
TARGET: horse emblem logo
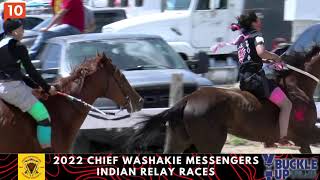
{"x":31,"y":166}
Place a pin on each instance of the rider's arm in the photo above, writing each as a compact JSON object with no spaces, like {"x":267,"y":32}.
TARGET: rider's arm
{"x":28,"y":81}
{"x":262,"y":52}
{"x":22,"y":53}
{"x":90,"y":23}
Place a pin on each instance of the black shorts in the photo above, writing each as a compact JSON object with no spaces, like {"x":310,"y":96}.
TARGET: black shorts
{"x":257,"y":84}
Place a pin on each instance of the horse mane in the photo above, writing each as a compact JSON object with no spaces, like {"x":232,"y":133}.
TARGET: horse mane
{"x":78,"y":74}
{"x":301,"y":60}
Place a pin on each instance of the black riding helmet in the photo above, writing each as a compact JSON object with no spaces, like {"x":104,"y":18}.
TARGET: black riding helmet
{"x":11,"y":24}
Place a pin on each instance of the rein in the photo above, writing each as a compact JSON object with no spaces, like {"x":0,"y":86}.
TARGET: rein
{"x":299,"y":71}
{"x":302,"y":72}
{"x":74,"y":99}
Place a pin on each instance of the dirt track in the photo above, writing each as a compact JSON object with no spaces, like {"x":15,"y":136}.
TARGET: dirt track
{"x":241,"y":146}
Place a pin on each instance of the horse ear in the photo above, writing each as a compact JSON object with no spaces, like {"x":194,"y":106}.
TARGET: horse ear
{"x":108,"y":59}
{"x":103,"y":55}
{"x":97,"y":54}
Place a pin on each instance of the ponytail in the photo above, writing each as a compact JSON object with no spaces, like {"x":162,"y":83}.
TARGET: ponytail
{"x":235,"y":27}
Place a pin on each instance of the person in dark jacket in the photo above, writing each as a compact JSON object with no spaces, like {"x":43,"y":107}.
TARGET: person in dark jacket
{"x":251,"y":54}
{"x":13,"y":89}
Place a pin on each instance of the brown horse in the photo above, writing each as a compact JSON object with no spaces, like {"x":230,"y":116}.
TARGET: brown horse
{"x":94,"y":78}
{"x":203,"y":119}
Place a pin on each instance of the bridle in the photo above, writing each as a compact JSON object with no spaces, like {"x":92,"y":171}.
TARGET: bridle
{"x":128,"y":100}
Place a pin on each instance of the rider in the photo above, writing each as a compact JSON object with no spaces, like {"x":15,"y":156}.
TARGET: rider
{"x":252,"y":53}
{"x":13,"y":89}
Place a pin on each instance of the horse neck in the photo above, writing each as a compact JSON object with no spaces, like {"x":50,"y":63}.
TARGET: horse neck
{"x":76,"y":114}
{"x":307,"y":84}
{"x":87,"y":93}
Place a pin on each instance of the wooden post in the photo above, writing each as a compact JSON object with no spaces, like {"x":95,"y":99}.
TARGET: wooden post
{"x":176,"y":89}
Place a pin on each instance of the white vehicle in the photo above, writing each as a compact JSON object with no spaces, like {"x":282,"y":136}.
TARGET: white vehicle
{"x":144,"y":7}
{"x":132,"y":7}
{"x":295,"y":11}
{"x":189,"y":26}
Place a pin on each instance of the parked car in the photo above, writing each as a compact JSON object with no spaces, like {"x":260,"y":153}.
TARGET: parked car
{"x":31,"y":21}
{"x":103,"y":16}
{"x":147,"y":61}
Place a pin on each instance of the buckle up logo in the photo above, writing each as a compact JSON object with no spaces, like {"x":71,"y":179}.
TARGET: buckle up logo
{"x":283,"y":168}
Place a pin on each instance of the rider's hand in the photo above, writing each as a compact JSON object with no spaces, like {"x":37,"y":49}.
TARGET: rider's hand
{"x":278,"y":66}
{"x":52,"y":91}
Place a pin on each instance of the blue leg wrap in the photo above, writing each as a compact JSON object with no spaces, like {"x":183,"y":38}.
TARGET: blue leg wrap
{"x":44,"y":135}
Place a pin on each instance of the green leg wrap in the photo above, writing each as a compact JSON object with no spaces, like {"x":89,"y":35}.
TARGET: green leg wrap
{"x":40,"y":113}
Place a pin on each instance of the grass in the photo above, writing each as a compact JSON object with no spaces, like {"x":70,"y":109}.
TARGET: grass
{"x":236,"y":141}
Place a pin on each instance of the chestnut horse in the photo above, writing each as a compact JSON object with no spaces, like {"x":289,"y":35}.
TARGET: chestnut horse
{"x":94,"y":78}
{"x":203,"y":119}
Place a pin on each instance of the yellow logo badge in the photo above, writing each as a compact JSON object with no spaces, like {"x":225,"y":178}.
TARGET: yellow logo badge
{"x":31,"y":166}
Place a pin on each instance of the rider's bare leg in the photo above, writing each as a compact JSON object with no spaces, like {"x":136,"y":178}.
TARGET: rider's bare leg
{"x":279,"y":98}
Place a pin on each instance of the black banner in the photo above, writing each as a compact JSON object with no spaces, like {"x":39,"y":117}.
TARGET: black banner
{"x":158,"y":166}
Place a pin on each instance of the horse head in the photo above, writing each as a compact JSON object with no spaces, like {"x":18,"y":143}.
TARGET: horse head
{"x":309,"y":62}
{"x":103,"y":79}
{"x":118,"y":88}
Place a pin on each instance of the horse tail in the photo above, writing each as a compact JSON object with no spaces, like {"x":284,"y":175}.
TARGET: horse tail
{"x":152,"y":126}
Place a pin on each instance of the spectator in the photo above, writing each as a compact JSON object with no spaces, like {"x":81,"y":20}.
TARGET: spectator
{"x":90,"y":24}
{"x":56,"y":6}
{"x":68,"y":20}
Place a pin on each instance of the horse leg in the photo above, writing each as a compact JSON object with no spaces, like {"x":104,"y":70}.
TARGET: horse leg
{"x":191,"y":149}
{"x":176,"y":140}
{"x":206,"y":138}
{"x":305,"y":149}
{"x":213,"y":145}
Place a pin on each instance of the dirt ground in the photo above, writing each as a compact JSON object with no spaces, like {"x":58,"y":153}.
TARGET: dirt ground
{"x":241,"y":146}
